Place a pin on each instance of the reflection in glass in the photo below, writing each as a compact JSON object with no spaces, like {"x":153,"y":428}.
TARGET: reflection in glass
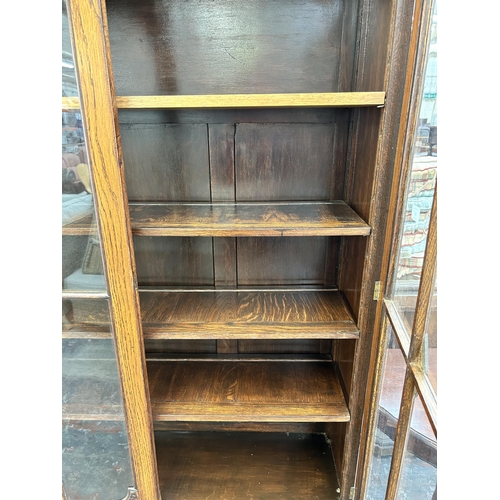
{"x":95,"y":453}
{"x":419,"y":474}
{"x":82,"y":261}
{"x":69,"y":87}
{"x":420,"y":192}
{"x":430,"y":341}
{"x":393,"y":375}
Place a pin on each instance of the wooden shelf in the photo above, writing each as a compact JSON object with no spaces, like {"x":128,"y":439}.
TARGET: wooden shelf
{"x":222,"y":101}
{"x":246,"y":391}
{"x":247,"y":219}
{"x":246,"y":315}
{"x":237,"y":219}
{"x":245,"y":465}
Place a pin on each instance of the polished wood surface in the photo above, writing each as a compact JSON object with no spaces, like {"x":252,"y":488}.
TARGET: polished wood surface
{"x":331,"y":99}
{"x":242,"y":219}
{"x":246,"y":315}
{"x":266,"y":391}
{"x":246,"y":219}
{"x":92,"y":58}
{"x":245,"y":465}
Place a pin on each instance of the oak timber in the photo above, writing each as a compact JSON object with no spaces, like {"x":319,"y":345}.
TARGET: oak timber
{"x":238,"y":219}
{"x":320,"y":99}
{"x":246,"y":315}
{"x":242,"y":391}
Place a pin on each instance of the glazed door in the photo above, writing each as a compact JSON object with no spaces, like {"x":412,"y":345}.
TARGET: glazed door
{"x":108,"y":451}
{"x":401,"y":433}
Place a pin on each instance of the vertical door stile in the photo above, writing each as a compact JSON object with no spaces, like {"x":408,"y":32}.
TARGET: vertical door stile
{"x":98,"y":105}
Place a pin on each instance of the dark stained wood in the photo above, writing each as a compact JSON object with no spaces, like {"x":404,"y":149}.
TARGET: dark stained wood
{"x":294,"y":427}
{"x":225,"y":257}
{"x":179,"y":48}
{"x":246,"y":219}
{"x":180,"y":346}
{"x":283,"y":162}
{"x":225,"y":346}
{"x":246,"y":315}
{"x":238,"y":465}
{"x":284,"y":346}
{"x":166,"y":162}
{"x":228,"y":117}
{"x":275,"y":261}
{"x":222,"y":186}
{"x":174,"y":261}
{"x":221,"y":145}
{"x":388,"y":24}
{"x":343,"y":355}
{"x":246,"y":391}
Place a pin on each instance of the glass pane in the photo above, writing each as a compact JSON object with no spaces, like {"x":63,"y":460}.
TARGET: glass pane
{"x":82,"y":267}
{"x":419,"y":193}
{"x":430,"y":341}
{"x":419,"y":473}
{"x":69,"y":87}
{"x":393,"y":375}
{"x":95,"y":454}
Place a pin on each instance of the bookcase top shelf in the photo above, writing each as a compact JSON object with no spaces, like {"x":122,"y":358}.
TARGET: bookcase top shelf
{"x":222,"y":101}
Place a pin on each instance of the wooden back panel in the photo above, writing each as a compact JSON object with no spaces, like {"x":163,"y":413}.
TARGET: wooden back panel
{"x":177,"y":47}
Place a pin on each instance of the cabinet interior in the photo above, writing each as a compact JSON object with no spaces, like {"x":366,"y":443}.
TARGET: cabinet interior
{"x":250,"y":331}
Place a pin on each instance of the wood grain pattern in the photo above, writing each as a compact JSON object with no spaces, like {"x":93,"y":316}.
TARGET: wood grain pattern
{"x":322,"y":99}
{"x":238,"y":465}
{"x":95,"y":75}
{"x":246,"y":219}
{"x":166,"y":162}
{"x":283,"y":162}
{"x":246,"y":391}
{"x":246,"y":315}
{"x":180,"y":261}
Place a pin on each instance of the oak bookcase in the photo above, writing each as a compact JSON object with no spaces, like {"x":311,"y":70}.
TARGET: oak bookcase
{"x":242,"y":157}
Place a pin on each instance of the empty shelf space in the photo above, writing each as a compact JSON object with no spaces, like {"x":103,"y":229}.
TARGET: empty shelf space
{"x":239,"y":465}
{"x":247,"y":219}
{"x":246,"y":315}
{"x":220,"y":101}
{"x":246,"y":391}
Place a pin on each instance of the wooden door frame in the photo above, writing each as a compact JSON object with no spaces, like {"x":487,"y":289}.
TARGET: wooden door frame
{"x":415,"y":72}
{"x":88,"y":24}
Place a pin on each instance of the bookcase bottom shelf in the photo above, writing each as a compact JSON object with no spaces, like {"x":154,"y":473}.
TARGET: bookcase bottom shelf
{"x":246,"y":391}
{"x":239,"y":465}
